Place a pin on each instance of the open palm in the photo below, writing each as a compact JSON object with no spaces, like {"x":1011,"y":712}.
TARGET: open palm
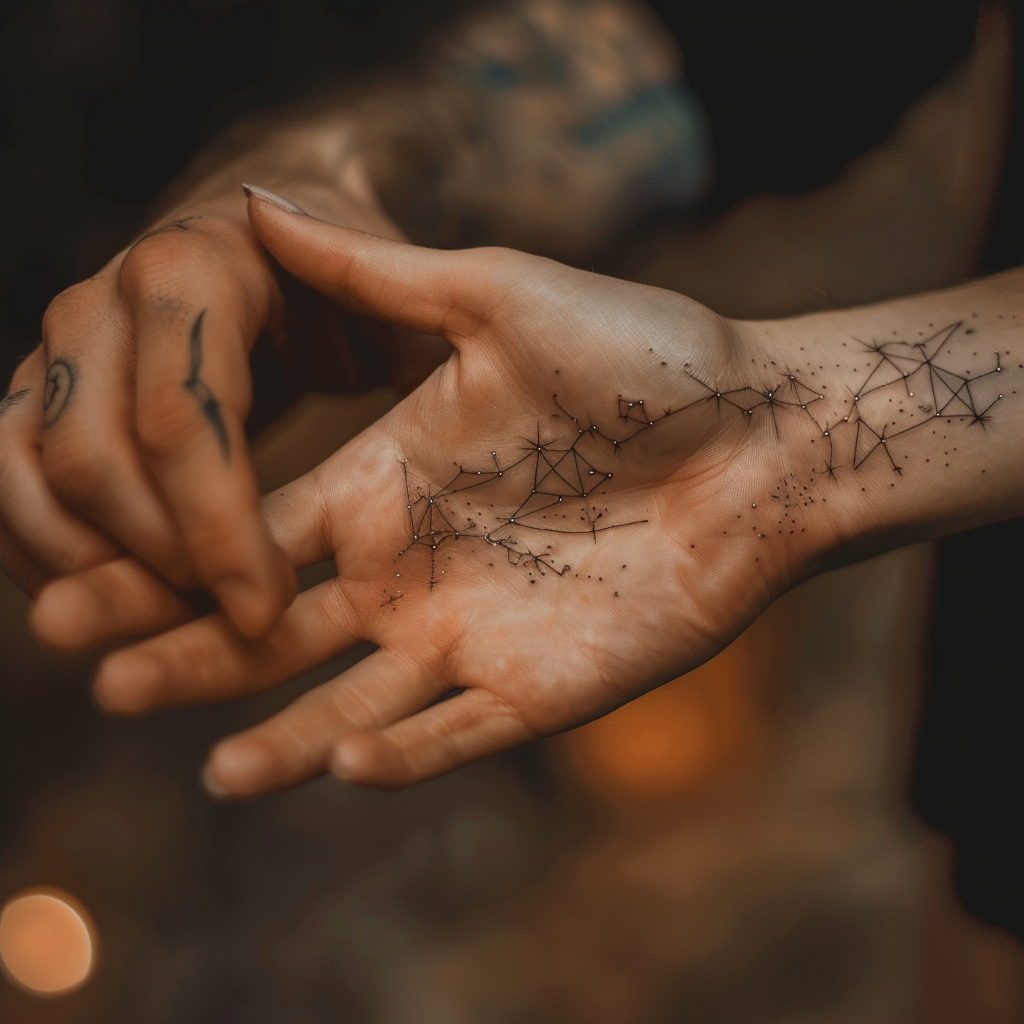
{"x":550,"y":525}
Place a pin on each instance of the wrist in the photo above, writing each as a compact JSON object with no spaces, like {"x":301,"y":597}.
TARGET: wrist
{"x":916,"y":435}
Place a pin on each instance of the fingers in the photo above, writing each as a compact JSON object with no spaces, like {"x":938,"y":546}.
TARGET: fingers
{"x":194,"y":393}
{"x":427,"y":290}
{"x":299,"y":521}
{"x":90,"y":455}
{"x":43,"y":529}
{"x":121,"y":599}
{"x":296,"y":744}
{"x":469,"y":726}
{"x":113,"y":601}
{"x":207,"y":660}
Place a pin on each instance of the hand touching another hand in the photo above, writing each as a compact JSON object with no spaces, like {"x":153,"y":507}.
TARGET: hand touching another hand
{"x":554,"y":522}
{"x":125,"y":429}
{"x":598,"y":490}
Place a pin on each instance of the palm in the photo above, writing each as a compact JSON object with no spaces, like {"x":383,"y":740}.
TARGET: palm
{"x":514,"y":515}
{"x":537,"y":525}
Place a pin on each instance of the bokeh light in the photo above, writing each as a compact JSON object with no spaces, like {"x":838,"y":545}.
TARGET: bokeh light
{"x":47,"y":943}
{"x":668,"y":742}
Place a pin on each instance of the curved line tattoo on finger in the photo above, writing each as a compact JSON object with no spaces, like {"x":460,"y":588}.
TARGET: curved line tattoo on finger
{"x":13,"y":399}
{"x":175,"y":225}
{"x":61,"y":382}
{"x":209,"y":406}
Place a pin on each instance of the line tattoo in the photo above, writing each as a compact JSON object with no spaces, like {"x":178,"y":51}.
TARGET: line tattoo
{"x":208,"y":403}
{"x":61,"y":381}
{"x":554,"y":483}
{"x":13,"y":399}
{"x":175,"y":225}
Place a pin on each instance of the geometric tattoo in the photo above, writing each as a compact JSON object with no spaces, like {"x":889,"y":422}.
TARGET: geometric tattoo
{"x":909,"y":370}
{"x":208,"y":404}
{"x":556,"y":482}
{"x":61,"y":378}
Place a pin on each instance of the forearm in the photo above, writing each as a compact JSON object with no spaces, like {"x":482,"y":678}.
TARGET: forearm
{"x":899,"y":421}
{"x":536,"y":130}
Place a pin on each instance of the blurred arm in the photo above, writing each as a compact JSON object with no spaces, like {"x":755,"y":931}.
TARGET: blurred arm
{"x":537,"y":126}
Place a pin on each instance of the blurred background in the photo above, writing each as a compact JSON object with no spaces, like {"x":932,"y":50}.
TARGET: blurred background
{"x":818,"y":826}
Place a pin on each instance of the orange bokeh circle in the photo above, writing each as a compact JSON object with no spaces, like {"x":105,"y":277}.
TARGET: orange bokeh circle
{"x":47,"y":941}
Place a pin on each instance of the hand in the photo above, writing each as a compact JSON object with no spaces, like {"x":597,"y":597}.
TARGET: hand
{"x":557,"y":520}
{"x":125,"y":430}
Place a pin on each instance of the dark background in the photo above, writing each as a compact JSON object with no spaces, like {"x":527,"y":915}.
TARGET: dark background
{"x":103,"y":102}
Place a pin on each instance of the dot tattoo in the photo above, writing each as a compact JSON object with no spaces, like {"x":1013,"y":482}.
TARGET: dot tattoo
{"x":208,"y":403}
{"x":553,"y":485}
{"x":61,"y":381}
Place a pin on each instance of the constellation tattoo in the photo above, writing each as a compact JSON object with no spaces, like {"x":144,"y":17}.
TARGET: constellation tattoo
{"x":175,"y":225}
{"x":61,"y":380}
{"x":208,"y":403}
{"x":555,"y":482}
{"x":13,"y":399}
{"x":912,"y":370}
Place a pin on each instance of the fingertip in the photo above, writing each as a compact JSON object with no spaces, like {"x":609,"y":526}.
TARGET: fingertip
{"x":62,"y":616}
{"x":208,"y":780}
{"x":363,"y":758}
{"x":128,"y":683}
{"x":238,"y":768}
{"x":254,"y":608}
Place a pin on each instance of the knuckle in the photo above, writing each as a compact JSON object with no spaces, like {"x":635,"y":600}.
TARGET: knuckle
{"x":65,"y":311}
{"x":161,"y":270}
{"x":151,"y":267}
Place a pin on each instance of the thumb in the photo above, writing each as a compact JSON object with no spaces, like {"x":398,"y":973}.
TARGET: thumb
{"x":433,"y":291}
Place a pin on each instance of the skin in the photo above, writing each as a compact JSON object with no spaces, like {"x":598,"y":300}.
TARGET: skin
{"x":103,"y":452}
{"x":142,"y":449}
{"x":728,"y":508}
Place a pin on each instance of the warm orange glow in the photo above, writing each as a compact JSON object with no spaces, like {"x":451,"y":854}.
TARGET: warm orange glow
{"x":46,"y":942}
{"x":669,"y":741}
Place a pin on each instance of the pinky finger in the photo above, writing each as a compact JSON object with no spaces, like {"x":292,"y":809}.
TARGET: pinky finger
{"x":446,"y":736}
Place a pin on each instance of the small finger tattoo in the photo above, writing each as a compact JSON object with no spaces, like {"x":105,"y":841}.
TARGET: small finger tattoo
{"x":61,"y":380}
{"x":13,"y":399}
{"x":208,"y":403}
{"x":176,"y":225}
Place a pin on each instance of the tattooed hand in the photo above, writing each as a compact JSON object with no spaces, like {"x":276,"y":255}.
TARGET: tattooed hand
{"x":540,"y":124}
{"x":125,"y":431}
{"x":601,"y":487}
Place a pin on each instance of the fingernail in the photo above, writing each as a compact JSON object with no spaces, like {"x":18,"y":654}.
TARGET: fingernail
{"x":272,"y":197}
{"x":213,"y":788}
